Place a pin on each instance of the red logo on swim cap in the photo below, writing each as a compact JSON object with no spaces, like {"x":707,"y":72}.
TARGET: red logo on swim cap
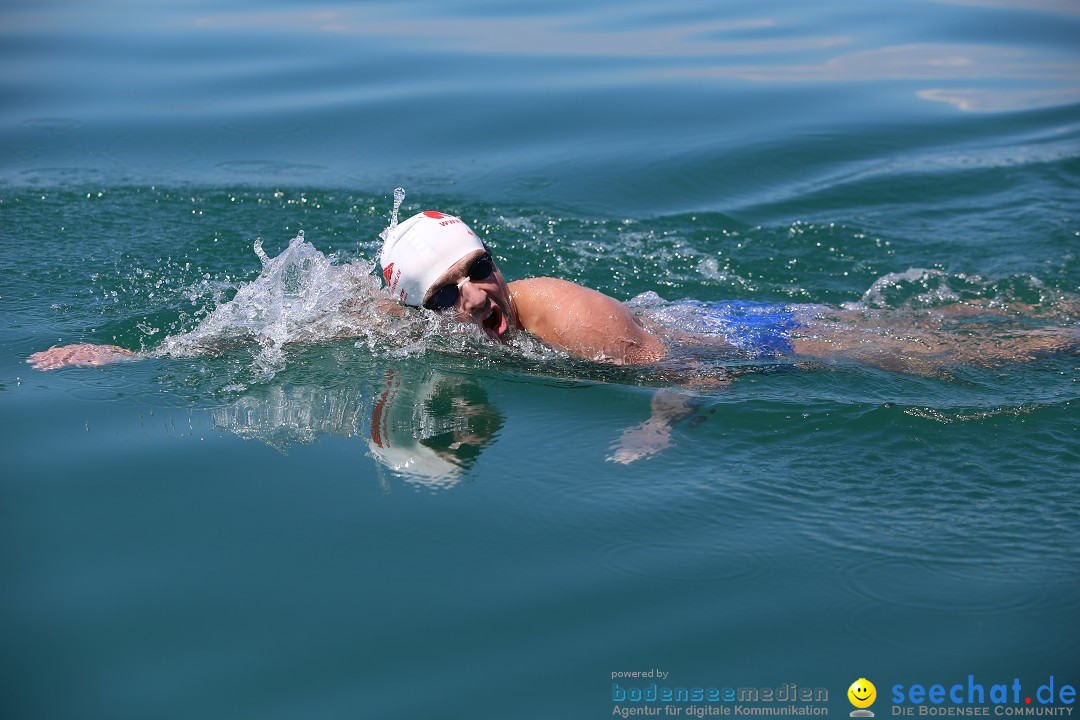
{"x":387,"y":272}
{"x":434,"y":214}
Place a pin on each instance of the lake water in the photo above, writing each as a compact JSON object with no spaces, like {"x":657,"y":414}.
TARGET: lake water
{"x":216,"y":531}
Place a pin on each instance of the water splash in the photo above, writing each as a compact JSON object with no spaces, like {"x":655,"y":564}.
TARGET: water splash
{"x":300,"y":296}
{"x":399,"y":198}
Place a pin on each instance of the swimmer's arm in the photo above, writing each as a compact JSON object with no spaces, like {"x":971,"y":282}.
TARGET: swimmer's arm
{"x":370,"y":314}
{"x":668,"y":407}
{"x":91,"y":355}
{"x":79,"y":355}
{"x":384,"y":306}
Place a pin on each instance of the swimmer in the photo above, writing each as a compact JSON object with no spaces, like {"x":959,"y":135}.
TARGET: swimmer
{"x":436,"y":262}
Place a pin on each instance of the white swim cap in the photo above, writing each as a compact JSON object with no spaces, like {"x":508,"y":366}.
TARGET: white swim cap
{"x":417,"y":252}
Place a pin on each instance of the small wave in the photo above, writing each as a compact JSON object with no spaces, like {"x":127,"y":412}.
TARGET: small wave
{"x":949,"y":417}
{"x":893,"y":288}
{"x":917,"y":288}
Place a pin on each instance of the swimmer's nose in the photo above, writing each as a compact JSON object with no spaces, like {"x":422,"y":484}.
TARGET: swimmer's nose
{"x":472,"y":297}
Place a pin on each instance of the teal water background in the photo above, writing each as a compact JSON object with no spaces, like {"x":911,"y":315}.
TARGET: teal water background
{"x":211,"y":536}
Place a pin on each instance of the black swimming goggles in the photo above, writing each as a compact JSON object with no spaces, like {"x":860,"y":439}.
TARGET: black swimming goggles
{"x":447,"y":296}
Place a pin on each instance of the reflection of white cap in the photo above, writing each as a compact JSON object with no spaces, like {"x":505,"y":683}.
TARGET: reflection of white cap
{"x":416,"y":253}
{"x":399,"y":421}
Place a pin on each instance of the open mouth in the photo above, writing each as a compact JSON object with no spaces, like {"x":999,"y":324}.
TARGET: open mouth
{"x":494,"y":323}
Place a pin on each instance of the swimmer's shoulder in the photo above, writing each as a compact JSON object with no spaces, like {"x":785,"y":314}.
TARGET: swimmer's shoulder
{"x":541,"y":299}
{"x":549,"y":287}
{"x":584,"y":321}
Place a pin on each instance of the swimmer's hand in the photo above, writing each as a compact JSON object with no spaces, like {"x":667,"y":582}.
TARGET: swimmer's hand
{"x":80,"y":355}
{"x":654,"y":435}
{"x":642,"y":441}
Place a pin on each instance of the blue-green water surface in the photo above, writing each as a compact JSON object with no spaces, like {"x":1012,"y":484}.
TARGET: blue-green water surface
{"x":211,"y":532}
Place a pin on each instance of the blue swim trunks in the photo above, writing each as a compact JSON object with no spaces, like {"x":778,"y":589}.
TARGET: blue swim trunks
{"x":758,"y":329}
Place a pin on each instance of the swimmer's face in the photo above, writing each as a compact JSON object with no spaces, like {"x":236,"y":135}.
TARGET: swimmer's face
{"x":862,"y":693}
{"x":484,"y":302}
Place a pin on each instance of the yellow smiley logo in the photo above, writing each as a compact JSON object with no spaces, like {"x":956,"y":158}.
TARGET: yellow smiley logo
{"x":862,"y":693}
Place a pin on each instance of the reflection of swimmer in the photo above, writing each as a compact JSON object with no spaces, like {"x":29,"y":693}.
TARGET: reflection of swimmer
{"x":281,"y":415}
{"x":430,"y":431}
{"x":435,"y":261}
